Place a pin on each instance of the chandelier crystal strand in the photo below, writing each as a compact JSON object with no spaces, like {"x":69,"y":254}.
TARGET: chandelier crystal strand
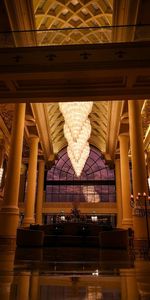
{"x":77,"y":130}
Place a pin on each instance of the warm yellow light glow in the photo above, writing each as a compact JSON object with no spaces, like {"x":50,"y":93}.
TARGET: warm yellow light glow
{"x":77,"y":130}
{"x":1,"y":175}
{"x":147,"y":132}
{"x":149,"y":182}
{"x":143,"y":106}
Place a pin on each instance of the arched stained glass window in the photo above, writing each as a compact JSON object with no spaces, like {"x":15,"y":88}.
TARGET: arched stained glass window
{"x":96,"y":183}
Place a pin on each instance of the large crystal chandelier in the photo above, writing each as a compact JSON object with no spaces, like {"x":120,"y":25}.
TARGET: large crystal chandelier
{"x":77,"y":130}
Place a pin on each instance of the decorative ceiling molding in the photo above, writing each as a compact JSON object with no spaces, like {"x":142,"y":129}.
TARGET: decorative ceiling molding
{"x":99,"y":123}
{"x":40,"y":116}
{"x":55,"y":122}
{"x":72,"y":14}
{"x":145,"y":113}
{"x":114,"y":127}
{"x":6,"y":135}
{"x":104,"y":76}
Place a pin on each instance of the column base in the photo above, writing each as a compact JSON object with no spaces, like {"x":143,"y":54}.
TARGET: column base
{"x":7,"y":243}
{"x":127,"y":223}
{"x":5,"y":289}
{"x":27,"y":221}
{"x":38,"y":220}
{"x":9,"y":218}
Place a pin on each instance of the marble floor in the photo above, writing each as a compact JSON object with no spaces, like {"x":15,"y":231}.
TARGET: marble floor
{"x":73,"y":274}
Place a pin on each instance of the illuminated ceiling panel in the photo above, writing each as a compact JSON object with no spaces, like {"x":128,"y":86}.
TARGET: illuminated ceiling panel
{"x":75,"y":14}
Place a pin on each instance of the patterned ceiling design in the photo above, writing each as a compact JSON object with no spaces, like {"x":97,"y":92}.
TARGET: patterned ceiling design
{"x":6,"y":113}
{"x":62,"y":14}
{"x":56,"y":123}
{"x":99,"y":122}
{"x":146,"y":120}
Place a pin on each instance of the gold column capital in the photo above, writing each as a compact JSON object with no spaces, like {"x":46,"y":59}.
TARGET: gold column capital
{"x":33,"y":137}
{"x":123,"y":136}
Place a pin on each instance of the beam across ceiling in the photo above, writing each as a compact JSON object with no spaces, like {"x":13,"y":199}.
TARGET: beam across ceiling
{"x":75,"y":73}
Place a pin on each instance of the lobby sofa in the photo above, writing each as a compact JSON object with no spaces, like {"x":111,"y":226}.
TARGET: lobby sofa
{"x":72,"y":235}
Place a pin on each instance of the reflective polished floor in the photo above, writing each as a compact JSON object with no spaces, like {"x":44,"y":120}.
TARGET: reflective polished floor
{"x":73,"y":274}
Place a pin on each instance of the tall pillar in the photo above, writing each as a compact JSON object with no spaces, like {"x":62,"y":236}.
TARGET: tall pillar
{"x":125,"y":181}
{"x":139,"y":177}
{"x":40,"y":187}
{"x":9,"y":214}
{"x":118,"y":193}
{"x":31,"y":182}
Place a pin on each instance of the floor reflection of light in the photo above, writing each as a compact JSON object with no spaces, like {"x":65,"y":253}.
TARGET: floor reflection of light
{"x":94,"y":293}
{"x":95,"y":273}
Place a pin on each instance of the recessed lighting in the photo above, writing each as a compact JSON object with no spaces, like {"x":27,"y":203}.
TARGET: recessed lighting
{"x":84,"y":11}
{"x":75,"y":2}
{"x":65,"y":11}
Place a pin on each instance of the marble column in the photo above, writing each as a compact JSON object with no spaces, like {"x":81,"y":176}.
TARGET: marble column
{"x":139,"y":177}
{"x":118,"y":193}
{"x":9,"y":214}
{"x":125,"y":181}
{"x":40,"y":188}
{"x":31,"y":182}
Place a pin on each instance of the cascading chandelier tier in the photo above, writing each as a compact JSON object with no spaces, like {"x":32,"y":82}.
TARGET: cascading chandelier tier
{"x":77,"y":131}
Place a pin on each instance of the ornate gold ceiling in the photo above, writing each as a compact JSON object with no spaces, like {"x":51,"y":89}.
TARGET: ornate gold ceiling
{"x":61,"y":14}
{"x":146,"y":123}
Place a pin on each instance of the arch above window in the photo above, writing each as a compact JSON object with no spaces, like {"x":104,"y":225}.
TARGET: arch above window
{"x":96,"y":183}
{"x":94,"y":169}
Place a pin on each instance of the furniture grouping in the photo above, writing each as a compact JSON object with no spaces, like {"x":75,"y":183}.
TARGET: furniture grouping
{"x":72,"y":234}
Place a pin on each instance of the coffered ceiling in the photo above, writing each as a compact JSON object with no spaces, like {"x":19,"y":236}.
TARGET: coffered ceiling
{"x":59,"y":14}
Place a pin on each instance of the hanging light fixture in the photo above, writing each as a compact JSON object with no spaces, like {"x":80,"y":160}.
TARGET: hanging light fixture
{"x":77,"y":130}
